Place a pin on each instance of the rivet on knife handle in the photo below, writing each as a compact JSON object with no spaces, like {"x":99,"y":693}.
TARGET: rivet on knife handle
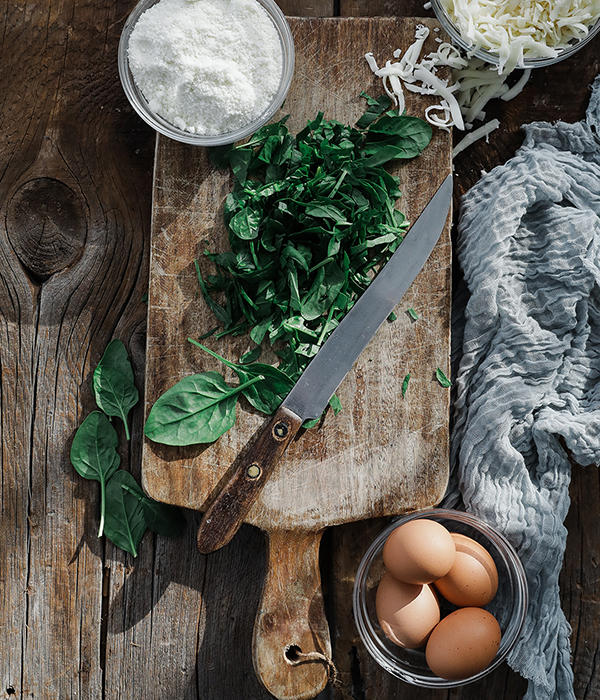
{"x":226,"y":513}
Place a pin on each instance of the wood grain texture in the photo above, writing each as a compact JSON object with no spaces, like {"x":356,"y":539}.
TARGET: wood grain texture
{"x":383,"y":454}
{"x":79,"y":618}
{"x":74,"y":193}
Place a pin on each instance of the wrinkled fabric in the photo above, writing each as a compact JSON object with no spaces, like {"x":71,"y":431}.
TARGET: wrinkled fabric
{"x":527,"y":389}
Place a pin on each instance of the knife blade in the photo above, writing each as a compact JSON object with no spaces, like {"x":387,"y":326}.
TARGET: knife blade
{"x":319,"y":381}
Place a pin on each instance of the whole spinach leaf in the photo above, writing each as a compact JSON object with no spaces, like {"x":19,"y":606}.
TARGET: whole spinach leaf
{"x":94,"y":454}
{"x":113,"y":385}
{"x":125,"y":521}
{"x":198,"y":409}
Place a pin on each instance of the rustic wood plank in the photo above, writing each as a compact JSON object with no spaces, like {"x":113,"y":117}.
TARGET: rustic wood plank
{"x":64,"y":118}
{"x":307,"y":8}
{"x":384,"y":8}
{"x":73,"y":263}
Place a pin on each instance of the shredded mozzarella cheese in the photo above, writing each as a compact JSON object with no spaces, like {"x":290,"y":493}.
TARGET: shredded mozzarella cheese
{"x":522,"y":30}
{"x":475,"y":135}
{"x":474,"y":84}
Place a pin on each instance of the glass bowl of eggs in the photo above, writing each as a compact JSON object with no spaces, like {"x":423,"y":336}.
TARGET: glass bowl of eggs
{"x":440,"y":598}
{"x":517,"y":35}
{"x":209,"y":73}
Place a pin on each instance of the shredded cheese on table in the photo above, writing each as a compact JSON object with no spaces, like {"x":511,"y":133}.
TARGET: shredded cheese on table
{"x":463,"y":99}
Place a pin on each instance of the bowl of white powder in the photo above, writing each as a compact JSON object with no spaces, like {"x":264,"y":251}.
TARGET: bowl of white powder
{"x":206,"y":72}
{"x":523,"y":34}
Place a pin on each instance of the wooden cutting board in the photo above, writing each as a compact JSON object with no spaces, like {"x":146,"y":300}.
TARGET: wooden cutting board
{"x":383,"y":454}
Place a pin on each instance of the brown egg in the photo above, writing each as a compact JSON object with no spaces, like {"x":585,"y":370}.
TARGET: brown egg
{"x":463,"y":644}
{"x":420,"y":551}
{"x":473,"y":579}
{"x":407,"y":612}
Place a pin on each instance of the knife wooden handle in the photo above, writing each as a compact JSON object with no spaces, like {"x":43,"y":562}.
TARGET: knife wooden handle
{"x":225,"y":514}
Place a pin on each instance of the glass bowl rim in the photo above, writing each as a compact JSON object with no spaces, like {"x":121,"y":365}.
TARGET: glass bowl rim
{"x":162,"y":126}
{"x":510,"y":635}
{"x":493,"y":58}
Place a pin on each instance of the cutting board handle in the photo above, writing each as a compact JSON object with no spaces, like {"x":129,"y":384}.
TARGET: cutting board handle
{"x":291,"y":645}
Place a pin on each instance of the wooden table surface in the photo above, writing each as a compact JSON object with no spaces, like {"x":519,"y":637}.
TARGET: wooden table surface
{"x":79,"y":618}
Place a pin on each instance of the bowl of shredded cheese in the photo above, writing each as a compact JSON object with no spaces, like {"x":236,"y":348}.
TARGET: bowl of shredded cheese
{"x":206,"y":72}
{"x":519,"y":33}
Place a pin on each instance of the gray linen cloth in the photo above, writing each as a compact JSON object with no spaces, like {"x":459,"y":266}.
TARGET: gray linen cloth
{"x":527,"y":384}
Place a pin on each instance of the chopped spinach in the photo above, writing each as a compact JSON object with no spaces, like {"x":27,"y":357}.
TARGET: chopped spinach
{"x":442,"y":378}
{"x":310,"y":220}
{"x":405,"y":384}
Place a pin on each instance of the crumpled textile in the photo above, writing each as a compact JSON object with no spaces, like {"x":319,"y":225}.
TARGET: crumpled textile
{"x":527,"y":387}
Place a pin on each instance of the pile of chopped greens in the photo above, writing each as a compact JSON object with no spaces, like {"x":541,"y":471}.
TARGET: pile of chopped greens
{"x":310,"y":220}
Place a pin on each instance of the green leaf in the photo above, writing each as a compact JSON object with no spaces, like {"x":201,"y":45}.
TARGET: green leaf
{"x":217,"y":310}
{"x":161,"y":518}
{"x":198,"y":409}
{"x":405,"y":384}
{"x":309,"y":220}
{"x":442,"y":378}
{"x":94,"y":449}
{"x":374,"y":110}
{"x":335,"y":404}
{"x":245,"y":224}
{"x":114,"y":389}
{"x":327,"y":285}
{"x":125,"y":523}
{"x":267,"y":394}
{"x":264,"y":386}
{"x":94,"y":454}
{"x":240,"y":160}
{"x":251,"y":356}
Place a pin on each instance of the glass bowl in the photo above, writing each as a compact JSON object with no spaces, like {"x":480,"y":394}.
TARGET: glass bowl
{"x":509,"y":605}
{"x":493,"y":58}
{"x":140,"y":103}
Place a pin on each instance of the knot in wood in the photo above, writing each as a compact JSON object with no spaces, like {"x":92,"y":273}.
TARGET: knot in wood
{"x":46,"y":225}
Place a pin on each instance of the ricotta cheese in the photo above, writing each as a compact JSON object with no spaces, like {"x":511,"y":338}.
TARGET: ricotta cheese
{"x":206,"y":66}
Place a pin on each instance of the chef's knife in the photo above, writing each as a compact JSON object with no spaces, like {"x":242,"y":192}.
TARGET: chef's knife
{"x":313,"y":390}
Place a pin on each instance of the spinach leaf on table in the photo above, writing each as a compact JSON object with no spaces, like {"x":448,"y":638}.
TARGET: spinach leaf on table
{"x":94,"y":454}
{"x":125,"y":521}
{"x":125,"y":510}
{"x":114,"y":389}
{"x":133,"y":512}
